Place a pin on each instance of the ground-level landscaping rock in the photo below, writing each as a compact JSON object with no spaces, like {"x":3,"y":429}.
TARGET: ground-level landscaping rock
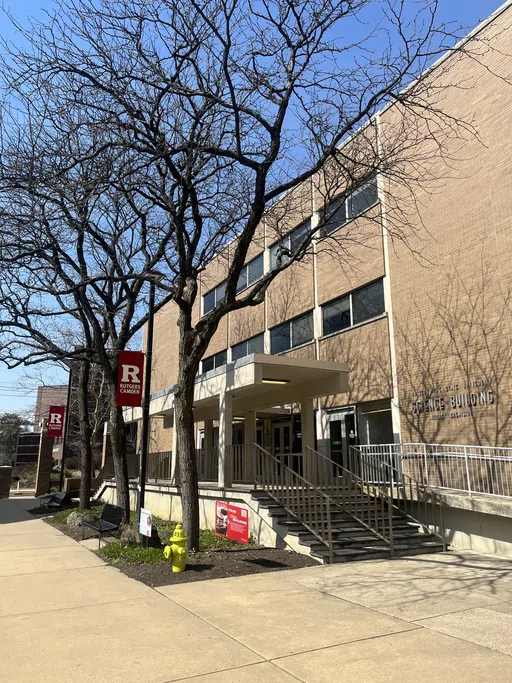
{"x":130,"y":535}
{"x":77,"y":518}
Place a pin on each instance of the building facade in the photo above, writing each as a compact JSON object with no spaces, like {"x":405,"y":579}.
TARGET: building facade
{"x":411,"y":288}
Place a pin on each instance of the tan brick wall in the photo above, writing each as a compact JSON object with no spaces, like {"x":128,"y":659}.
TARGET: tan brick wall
{"x":351,"y":257}
{"x":452,"y":302}
{"x":366,"y":350}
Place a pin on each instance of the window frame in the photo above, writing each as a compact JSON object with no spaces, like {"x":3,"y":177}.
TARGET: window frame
{"x":246,"y":269}
{"x":345,"y":201}
{"x":289,"y":323}
{"x":216,"y":299}
{"x":349,"y":296}
{"x":246,"y":342}
{"x":287,"y":240}
{"x":214,"y":357}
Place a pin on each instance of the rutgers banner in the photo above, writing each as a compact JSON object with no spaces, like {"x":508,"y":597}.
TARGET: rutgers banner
{"x":55,"y":421}
{"x":129,"y":378}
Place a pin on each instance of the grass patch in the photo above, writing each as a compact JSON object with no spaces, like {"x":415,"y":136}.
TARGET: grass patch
{"x":132,"y":554}
{"x":61,"y":517}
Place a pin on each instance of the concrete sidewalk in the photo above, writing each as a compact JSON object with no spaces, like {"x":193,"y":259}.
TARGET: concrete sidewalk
{"x":65,"y":614}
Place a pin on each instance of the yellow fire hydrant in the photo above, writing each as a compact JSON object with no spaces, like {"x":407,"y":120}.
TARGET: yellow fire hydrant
{"x":177,"y":551}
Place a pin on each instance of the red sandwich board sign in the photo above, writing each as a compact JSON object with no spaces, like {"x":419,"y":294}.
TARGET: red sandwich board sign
{"x":232,"y":521}
{"x":55,"y":421}
{"x":129,"y":378}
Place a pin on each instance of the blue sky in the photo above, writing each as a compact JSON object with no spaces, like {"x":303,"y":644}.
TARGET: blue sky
{"x":466,"y":13}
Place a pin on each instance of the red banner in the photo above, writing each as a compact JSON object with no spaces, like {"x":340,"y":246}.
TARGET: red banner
{"x":232,"y":521}
{"x":129,"y":378}
{"x":55,"y":421}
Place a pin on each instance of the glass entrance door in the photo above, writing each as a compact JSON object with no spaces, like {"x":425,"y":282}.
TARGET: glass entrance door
{"x":342,"y":435}
{"x":282,"y":440}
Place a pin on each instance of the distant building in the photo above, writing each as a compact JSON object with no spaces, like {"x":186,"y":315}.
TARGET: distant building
{"x":48,"y":396}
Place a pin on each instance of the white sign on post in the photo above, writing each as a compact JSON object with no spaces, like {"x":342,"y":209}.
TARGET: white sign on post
{"x":146,"y":520}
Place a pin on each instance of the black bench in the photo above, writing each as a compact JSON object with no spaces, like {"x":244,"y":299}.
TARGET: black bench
{"x":57,"y":501}
{"x":110,"y":520}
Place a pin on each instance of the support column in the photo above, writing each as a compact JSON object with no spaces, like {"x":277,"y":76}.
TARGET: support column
{"x":225,"y":439}
{"x":44,"y":464}
{"x":208,"y":435}
{"x":250,"y":454}
{"x":308,"y":438}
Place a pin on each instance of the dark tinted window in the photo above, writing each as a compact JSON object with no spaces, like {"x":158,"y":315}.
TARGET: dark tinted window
{"x":208,"y":364}
{"x":280,"y":338}
{"x":362,"y":199}
{"x":302,"y":329}
{"x":253,"y":345}
{"x":214,"y":297}
{"x":336,"y":215}
{"x":336,"y":315}
{"x":214,"y":361}
{"x":250,"y":273}
{"x":256,"y":344}
{"x":255,"y":270}
{"x":298,"y":236}
{"x":209,"y":301}
{"x":368,"y":302}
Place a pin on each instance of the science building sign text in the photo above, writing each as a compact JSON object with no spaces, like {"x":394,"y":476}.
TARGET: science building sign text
{"x":453,"y":400}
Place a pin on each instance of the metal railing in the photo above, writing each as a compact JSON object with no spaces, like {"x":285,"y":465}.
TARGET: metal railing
{"x":467,"y":469}
{"x":159,"y":465}
{"x":302,"y":499}
{"x":367,"y":503}
{"x":415,"y":499}
{"x":207,"y":464}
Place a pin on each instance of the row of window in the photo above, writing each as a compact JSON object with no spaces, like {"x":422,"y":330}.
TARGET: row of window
{"x":340,"y":211}
{"x":360,"y":305}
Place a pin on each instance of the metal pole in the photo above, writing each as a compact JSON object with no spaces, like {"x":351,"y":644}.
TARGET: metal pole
{"x":66,"y":428}
{"x":145,"y":400}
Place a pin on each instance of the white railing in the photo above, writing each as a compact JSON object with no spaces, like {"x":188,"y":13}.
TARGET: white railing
{"x":483,"y":470}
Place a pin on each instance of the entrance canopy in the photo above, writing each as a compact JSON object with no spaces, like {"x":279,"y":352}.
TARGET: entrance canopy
{"x":257,"y":382}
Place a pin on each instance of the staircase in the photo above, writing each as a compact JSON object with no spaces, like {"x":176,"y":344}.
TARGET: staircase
{"x":342,"y":517}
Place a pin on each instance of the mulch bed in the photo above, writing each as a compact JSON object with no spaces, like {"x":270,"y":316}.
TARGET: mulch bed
{"x":217,"y":564}
{"x":213,"y":564}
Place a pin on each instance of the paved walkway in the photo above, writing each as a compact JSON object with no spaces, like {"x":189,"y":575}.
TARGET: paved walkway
{"x":64,"y":615}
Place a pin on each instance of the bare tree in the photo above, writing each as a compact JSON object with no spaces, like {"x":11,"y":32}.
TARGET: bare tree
{"x":231,"y":107}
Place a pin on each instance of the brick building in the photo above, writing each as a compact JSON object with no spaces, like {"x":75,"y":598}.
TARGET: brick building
{"x":414,"y":298}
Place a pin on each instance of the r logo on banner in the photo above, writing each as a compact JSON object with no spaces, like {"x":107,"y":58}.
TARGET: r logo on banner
{"x":130,"y":375}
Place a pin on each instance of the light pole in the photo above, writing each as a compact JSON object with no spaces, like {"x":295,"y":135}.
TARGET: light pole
{"x":66,"y":430}
{"x":153,"y":278}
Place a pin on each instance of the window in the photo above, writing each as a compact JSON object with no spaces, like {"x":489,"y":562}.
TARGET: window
{"x":362,"y":199}
{"x":344,"y":208}
{"x":250,"y":273}
{"x":214,"y":361}
{"x":253,"y":345}
{"x":292,"y":333}
{"x":289,"y":244}
{"x":368,"y":302}
{"x":362,"y":304}
{"x":336,"y":315}
{"x":214,"y":297}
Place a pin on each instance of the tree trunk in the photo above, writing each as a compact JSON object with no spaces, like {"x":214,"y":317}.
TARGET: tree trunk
{"x":118,"y":443}
{"x":184,"y":424}
{"x":85,"y":435}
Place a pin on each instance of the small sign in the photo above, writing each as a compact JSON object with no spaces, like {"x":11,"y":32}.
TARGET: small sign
{"x":55,"y":421}
{"x":146,"y":522}
{"x":232,"y":521}
{"x":130,"y":374}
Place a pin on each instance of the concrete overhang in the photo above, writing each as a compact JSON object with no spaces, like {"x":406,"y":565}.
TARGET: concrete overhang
{"x":258,"y":382}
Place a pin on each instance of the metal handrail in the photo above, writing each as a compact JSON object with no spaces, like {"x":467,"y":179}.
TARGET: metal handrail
{"x":405,"y":490}
{"x":371,"y":515}
{"x":293,"y":492}
{"x":475,"y":470}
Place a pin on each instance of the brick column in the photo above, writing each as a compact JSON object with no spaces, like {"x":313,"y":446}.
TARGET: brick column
{"x":5,"y":480}
{"x":44,"y":464}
